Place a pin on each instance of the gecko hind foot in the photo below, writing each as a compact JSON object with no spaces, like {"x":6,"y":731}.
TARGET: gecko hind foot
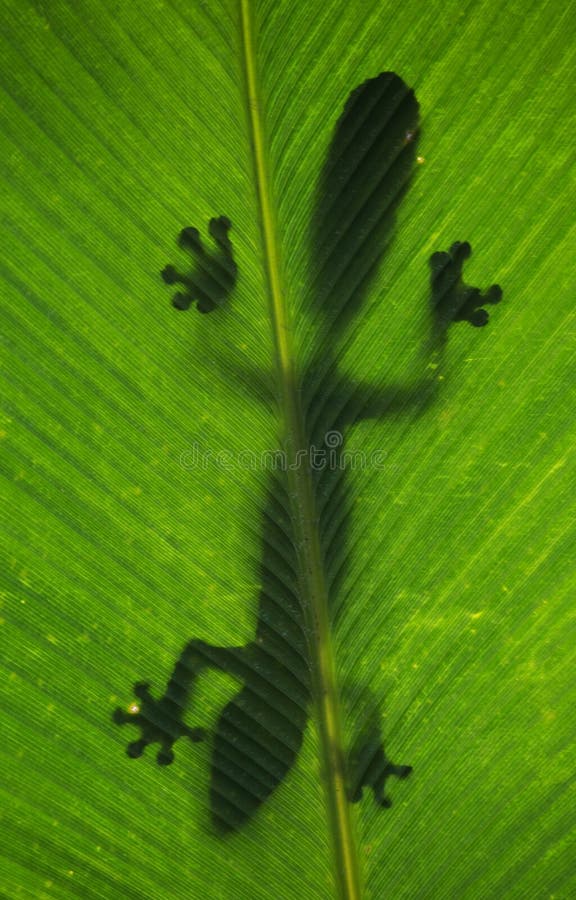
{"x":370,"y":767}
{"x":160,"y":722}
{"x":379,"y":784}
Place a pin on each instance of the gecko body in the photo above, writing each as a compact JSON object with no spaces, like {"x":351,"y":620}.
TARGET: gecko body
{"x":260,"y":731}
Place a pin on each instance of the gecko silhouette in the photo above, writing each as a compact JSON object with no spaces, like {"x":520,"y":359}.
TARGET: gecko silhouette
{"x":260,"y":731}
{"x":215,"y":275}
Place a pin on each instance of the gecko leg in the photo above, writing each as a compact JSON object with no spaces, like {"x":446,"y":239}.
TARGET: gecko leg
{"x":161,"y":721}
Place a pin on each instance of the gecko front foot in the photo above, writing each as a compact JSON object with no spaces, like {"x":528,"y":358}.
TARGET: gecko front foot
{"x":160,"y":722}
{"x":215,"y":273}
{"x":452,"y":300}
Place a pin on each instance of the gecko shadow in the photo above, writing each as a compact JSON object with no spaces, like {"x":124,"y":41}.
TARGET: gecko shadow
{"x":260,"y":731}
{"x":214,"y":276}
{"x":367,"y":173}
{"x":367,"y":763}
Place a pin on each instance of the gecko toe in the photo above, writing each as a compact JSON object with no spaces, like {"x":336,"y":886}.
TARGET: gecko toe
{"x":170,"y":275}
{"x":479,"y":318}
{"x":189,"y":238}
{"x":494,"y":294}
{"x":181,"y":301}
{"x":136,"y":749}
{"x":142,"y":690}
{"x":460,"y":251}
{"x":165,"y":757}
{"x":439,"y":260}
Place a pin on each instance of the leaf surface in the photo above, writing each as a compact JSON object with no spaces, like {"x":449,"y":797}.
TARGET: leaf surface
{"x":434,"y":577}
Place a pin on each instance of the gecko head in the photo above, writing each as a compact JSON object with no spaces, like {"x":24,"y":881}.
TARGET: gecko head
{"x":369,"y":164}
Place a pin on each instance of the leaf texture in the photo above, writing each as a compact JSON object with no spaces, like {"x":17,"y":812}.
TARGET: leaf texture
{"x":327,"y":183}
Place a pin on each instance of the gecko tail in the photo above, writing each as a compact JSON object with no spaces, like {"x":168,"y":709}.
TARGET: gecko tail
{"x":255,"y":747}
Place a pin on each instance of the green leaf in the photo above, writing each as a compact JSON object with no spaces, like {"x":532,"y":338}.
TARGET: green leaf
{"x":419,"y":595}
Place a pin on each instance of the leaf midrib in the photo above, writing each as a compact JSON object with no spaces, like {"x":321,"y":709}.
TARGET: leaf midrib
{"x":312,"y":576}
